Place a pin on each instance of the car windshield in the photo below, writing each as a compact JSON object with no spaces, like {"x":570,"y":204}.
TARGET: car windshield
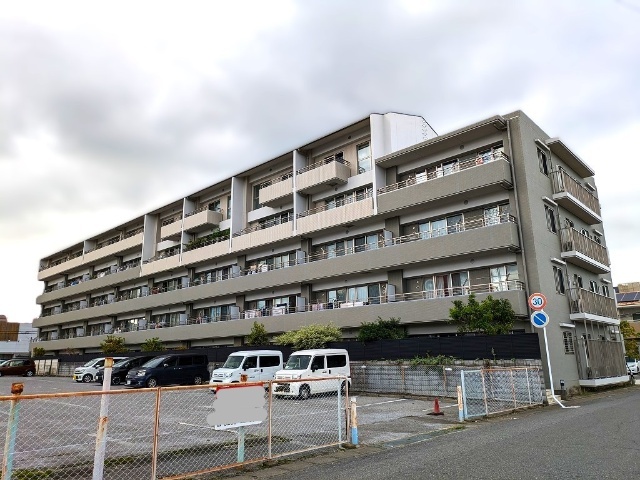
{"x":298,"y":362}
{"x":154,"y":362}
{"x":121,"y":363}
{"x":90,"y":362}
{"x":234,"y":361}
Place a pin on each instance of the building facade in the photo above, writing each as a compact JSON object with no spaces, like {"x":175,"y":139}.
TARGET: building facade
{"x":380,"y":218}
{"x":15,"y":338}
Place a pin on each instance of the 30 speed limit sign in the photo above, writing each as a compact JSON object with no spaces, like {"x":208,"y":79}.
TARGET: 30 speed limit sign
{"x":537,"y":301}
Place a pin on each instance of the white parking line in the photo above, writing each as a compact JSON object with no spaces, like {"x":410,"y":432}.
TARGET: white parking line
{"x":382,"y":403}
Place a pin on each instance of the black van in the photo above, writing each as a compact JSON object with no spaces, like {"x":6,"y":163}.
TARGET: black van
{"x":170,"y":369}
{"x":122,"y":367}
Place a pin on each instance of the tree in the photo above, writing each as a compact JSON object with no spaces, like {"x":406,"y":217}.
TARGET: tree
{"x":113,"y":344}
{"x":381,"y":330}
{"x":491,"y":316}
{"x":38,"y":352}
{"x":311,"y":336}
{"x":152,"y":345}
{"x":258,"y":335}
{"x":629,"y":335}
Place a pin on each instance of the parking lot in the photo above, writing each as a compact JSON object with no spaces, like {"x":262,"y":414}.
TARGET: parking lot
{"x":53,"y":430}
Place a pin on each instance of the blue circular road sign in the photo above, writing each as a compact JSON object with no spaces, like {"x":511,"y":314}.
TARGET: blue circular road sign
{"x":539,"y":319}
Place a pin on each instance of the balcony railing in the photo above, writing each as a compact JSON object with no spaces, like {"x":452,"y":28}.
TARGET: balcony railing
{"x":60,"y":261}
{"x":276,"y":180}
{"x":170,"y":252}
{"x":347,"y":200}
{"x":573,"y":240}
{"x":586,"y":302}
{"x":319,"y":164}
{"x":563,"y":182}
{"x":205,"y":241}
{"x":169,"y":221}
{"x":203,"y":208}
{"x":134,"y":232}
{"x":266,"y":224}
{"x":465,"y":164}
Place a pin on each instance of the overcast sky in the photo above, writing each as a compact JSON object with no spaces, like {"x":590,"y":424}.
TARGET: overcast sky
{"x":107,"y":113}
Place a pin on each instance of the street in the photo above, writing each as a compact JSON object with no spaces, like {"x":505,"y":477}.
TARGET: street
{"x":601,"y":439}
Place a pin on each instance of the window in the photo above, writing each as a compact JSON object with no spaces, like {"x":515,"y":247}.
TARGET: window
{"x":250,"y":362}
{"x":635,"y":316}
{"x":577,"y":281}
{"x":605,"y":290}
{"x":567,"y":339}
{"x":256,"y":197}
{"x":545,"y":163}
{"x":269,"y":361}
{"x":558,"y":277}
{"x":215,"y":206}
{"x":593,"y":286}
{"x":185,"y":361}
{"x":229,"y":207}
{"x":317,"y":363}
{"x":551,"y":219}
{"x":494,"y":215}
{"x":503,"y":276}
{"x":364,"y":157}
{"x":335,"y":361}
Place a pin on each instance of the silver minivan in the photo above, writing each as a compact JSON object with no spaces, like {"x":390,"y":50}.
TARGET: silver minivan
{"x":258,"y":365}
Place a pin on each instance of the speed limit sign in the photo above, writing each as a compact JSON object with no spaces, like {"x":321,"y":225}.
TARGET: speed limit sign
{"x":537,"y":301}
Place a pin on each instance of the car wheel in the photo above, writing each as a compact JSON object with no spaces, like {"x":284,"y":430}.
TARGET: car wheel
{"x":115,"y":380}
{"x":305,"y":392}
{"x":87,"y":378}
{"x":30,"y":373}
{"x":197,"y":380}
{"x":152,"y":383}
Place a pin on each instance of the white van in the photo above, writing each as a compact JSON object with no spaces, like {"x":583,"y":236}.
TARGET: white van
{"x":325,"y":362}
{"x":256,"y":364}
{"x":87,"y":372}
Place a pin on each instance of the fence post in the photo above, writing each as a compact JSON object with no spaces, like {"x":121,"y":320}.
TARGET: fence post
{"x":340,"y":410}
{"x":270,"y":410}
{"x":103,"y":421}
{"x":12,"y":430}
{"x":526,"y":371}
{"x":464,"y":395}
{"x":513,"y":390}
{"x":156,"y":432}
{"x":484,"y":393}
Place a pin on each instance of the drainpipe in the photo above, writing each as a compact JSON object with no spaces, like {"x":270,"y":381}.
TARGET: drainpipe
{"x":517,"y":205}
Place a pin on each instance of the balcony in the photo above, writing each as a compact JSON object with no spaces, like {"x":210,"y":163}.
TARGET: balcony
{"x":171,"y":227}
{"x":201,"y":219}
{"x":583,"y":252}
{"x":165,"y":260}
{"x":320,"y":175}
{"x":575,"y":197}
{"x":586,"y":305}
{"x":482,"y":174}
{"x":206,"y":250}
{"x":354,"y":208}
{"x":262,"y":233}
{"x":277,"y":192}
{"x":60,"y":266}
{"x":115,"y":247}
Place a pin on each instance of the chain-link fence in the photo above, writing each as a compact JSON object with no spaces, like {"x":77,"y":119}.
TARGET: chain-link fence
{"x":167,"y":432}
{"x":488,"y":391}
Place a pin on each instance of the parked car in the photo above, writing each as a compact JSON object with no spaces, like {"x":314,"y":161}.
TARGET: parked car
{"x":256,"y":364}
{"x":18,"y":366}
{"x":120,"y":369}
{"x":87,"y":372}
{"x":633,"y":365}
{"x":325,"y":362}
{"x":170,"y":369}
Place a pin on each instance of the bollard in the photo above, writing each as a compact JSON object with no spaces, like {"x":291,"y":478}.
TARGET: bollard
{"x":101,"y":435}
{"x":12,"y":430}
{"x":354,"y":421}
{"x":563,"y":391}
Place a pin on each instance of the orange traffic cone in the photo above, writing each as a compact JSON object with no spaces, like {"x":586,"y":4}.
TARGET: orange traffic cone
{"x":436,"y":408}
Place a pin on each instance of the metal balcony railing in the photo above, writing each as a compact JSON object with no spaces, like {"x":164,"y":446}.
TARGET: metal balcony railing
{"x":587,"y":302}
{"x":276,"y":180}
{"x":464,"y":164}
{"x":563,"y":182}
{"x":319,"y":164}
{"x":169,"y":221}
{"x":572,"y":240}
{"x":351,"y":198}
{"x":286,"y":218}
{"x":203,"y":208}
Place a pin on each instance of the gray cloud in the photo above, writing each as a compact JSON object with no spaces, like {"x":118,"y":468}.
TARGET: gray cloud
{"x":133,"y":128}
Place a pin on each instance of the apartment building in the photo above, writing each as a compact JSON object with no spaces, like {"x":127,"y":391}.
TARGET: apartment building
{"x":381,"y":218}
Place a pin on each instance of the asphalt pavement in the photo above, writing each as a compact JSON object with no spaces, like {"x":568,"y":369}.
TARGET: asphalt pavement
{"x":598,"y":440}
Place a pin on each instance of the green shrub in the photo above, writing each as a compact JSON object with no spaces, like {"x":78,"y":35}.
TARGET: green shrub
{"x":311,"y":336}
{"x":381,"y":330}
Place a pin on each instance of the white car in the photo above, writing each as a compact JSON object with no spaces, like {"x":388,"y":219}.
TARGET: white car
{"x":633,"y":366}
